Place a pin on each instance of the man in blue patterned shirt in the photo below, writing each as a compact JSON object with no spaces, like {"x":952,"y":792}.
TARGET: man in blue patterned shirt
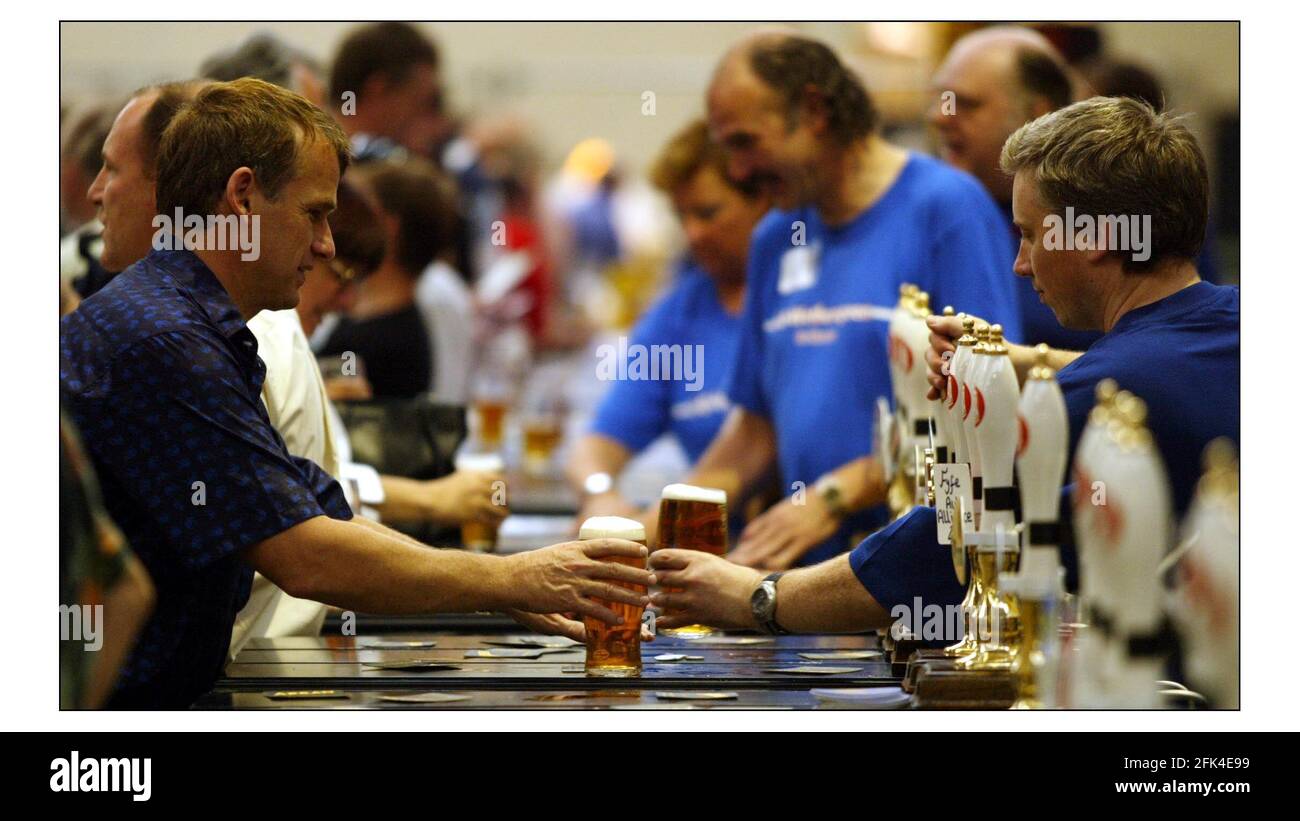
{"x":162,"y":375}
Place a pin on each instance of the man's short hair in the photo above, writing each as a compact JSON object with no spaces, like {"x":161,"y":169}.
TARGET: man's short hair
{"x":1115,"y":156}
{"x":358,"y":234}
{"x":170,"y":97}
{"x":83,"y":138}
{"x":262,"y":55}
{"x":227,"y":126}
{"x":790,"y":64}
{"x":391,"y":49}
{"x":1044,"y":75}
{"x":423,"y":200}
{"x":690,"y":151}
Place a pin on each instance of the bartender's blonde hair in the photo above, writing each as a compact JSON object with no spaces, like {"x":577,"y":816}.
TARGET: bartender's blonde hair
{"x":1114,"y":156}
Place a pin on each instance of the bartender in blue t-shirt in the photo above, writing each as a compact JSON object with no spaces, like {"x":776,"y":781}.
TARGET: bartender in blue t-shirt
{"x":700,"y":314}
{"x":856,"y":218}
{"x":1168,"y":337}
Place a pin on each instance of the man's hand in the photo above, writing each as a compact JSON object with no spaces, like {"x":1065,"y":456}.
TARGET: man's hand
{"x":466,"y":496}
{"x":567,"y":577}
{"x":550,"y":624}
{"x":778,"y":538}
{"x":944,"y":333}
{"x":558,"y":624}
{"x":347,"y":388}
{"x":707,"y":589}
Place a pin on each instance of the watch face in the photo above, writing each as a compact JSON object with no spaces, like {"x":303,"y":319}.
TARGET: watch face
{"x":761,"y":602}
{"x":598,"y":483}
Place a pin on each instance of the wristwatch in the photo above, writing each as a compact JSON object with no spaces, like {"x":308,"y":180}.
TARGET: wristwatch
{"x":828,"y":490}
{"x":763,"y":605}
{"x":597,"y":483}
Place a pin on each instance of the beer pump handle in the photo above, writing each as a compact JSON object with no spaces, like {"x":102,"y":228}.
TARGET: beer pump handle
{"x":1041,"y":452}
{"x":996,"y":428}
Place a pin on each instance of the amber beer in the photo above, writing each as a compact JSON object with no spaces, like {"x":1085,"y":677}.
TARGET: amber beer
{"x":480,"y":537}
{"x":491,"y":415}
{"x":615,"y":651}
{"x":693,"y":518}
{"x":541,"y":436}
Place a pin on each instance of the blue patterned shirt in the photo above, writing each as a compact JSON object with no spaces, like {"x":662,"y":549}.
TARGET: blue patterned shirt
{"x":161,"y":374}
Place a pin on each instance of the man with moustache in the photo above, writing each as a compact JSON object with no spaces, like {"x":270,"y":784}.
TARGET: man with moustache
{"x":855,"y":218}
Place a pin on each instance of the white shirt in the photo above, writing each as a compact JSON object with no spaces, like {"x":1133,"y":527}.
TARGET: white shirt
{"x":447,"y":308}
{"x":294,"y":395}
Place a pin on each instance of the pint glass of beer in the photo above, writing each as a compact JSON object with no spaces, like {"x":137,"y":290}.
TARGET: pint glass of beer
{"x":693,"y":518}
{"x":480,"y":537}
{"x":614,"y":651}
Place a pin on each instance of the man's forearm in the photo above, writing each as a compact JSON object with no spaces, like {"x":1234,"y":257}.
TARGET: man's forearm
{"x":595,"y":453}
{"x":405,"y":500}
{"x":862,"y":482}
{"x":356,"y":566}
{"x":739,"y":456}
{"x":827,"y":598}
{"x":1023,"y":358}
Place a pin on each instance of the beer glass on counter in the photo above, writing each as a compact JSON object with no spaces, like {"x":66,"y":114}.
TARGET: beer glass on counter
{"x":476,"y":536}
{"x":614,"y":651}
{"x":693,"y":518}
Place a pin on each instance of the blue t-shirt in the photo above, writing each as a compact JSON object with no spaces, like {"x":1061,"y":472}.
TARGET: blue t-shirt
{"x":813,"y":354}
{"x":161,"y":374}
{"x":635,"y":412}
{"x":1180,"y":355}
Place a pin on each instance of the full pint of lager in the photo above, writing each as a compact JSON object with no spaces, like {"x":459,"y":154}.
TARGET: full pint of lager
{"x":693,"y":518}
{"x":480,"y":537}
{"x":614,"y":651}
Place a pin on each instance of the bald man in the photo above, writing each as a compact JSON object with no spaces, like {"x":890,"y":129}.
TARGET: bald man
{"x":992,"y":82}
{"x":855,"y":217}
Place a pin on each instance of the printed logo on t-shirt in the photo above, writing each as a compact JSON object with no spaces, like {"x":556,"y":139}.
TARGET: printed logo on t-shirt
{"x":707,"y":404}
{"x":798,"y":269}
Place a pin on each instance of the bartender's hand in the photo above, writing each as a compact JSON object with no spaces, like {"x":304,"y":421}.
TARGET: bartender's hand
{"x":569,"y":577}
{"x":781,"y":536}
{"x":944,"y":333}
{"x":467,"y":496}
{"x":707,"y":589}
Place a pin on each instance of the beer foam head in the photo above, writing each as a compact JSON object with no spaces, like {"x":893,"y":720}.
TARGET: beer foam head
{"x":612,"y":527}
{"x":485,"y":462}
{"x":691,"y":493}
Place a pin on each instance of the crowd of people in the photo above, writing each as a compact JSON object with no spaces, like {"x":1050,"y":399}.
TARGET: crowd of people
{"x":399,"y":250}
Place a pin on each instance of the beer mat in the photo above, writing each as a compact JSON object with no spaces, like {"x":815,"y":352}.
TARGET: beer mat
{"x":809,"y":670}
{"x":874,"y":698}
{"x":423,"y":698}
{"x":695,"y":695}
{"x":841,"y":655}
{"x":380,"y":644}
{"x":556,"y":642}
{"x":618,"y":694}
{"x":731,"y":641}
{"x":413,"y":664}
{"x":678,"y":657}
{"x":306,"y":695}
{"x":573,"y":668}
{"x":504,"y":653}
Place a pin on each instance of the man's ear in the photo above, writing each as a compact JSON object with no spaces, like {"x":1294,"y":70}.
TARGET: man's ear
{"x":1039,"y":106}
{"x":240,"y":187}
{"x":814,"y":109}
